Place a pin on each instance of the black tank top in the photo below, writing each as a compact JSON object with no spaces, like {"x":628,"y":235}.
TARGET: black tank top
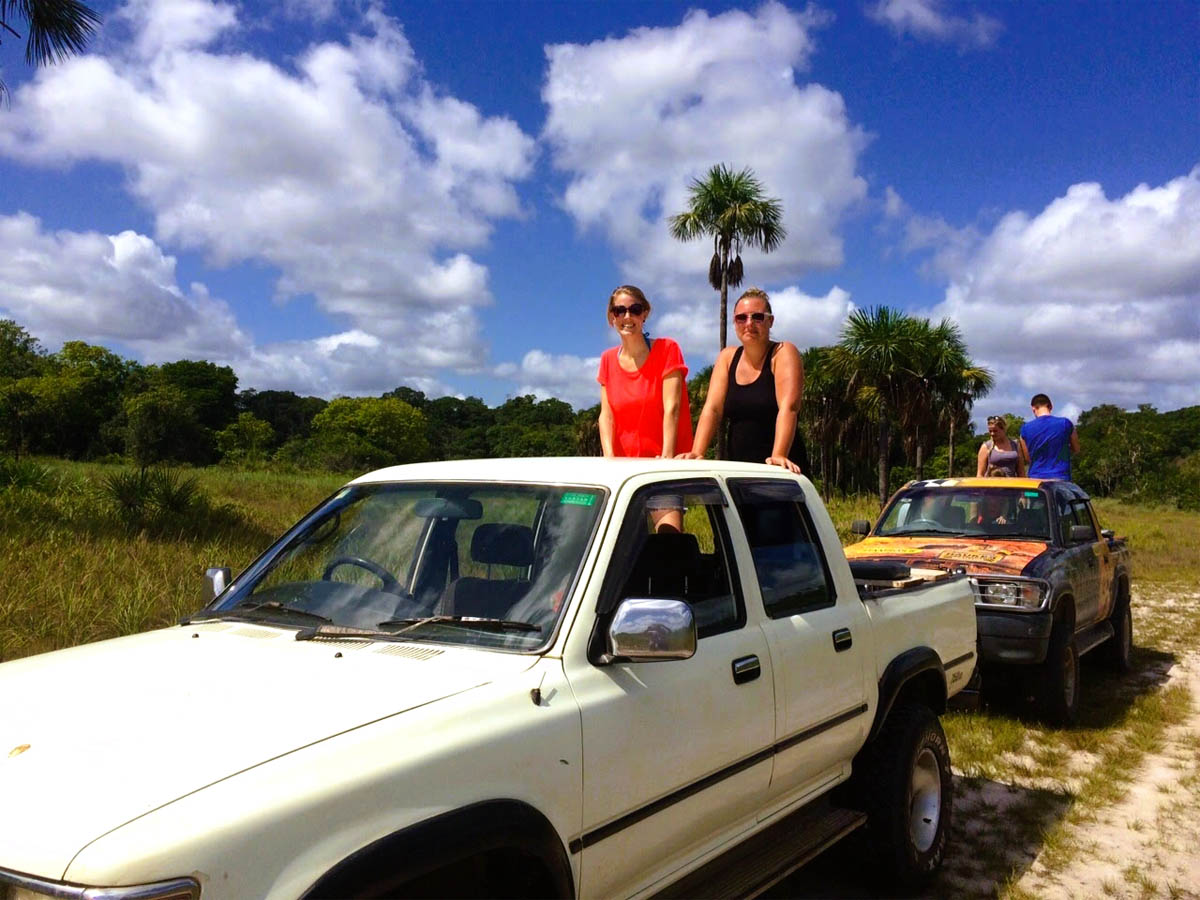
{"x":750,"y":410}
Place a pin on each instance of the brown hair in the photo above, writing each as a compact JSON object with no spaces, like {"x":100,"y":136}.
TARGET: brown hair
{"x":996,"y":472}
{"x":755,"y":294}
{"x":1041,"y":400}
{"x":633,"y":291}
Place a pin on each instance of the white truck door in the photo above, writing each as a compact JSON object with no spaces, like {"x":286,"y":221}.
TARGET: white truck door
{"x":818,"y":639}
{"x":677,"y":754}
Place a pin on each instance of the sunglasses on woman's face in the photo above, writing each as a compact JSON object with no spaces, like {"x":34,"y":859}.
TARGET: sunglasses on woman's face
{"x":634,"y":309}
{"x":743,"y":318}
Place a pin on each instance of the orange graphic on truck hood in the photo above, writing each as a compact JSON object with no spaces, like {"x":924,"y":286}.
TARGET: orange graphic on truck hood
{"x":983,"y":556}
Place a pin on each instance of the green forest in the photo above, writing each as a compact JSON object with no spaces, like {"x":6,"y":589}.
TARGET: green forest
{"x":867,"y":427}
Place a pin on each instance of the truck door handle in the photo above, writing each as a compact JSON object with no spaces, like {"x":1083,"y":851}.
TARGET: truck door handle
{"x":745,"y":669}
{"x":842,"y":639}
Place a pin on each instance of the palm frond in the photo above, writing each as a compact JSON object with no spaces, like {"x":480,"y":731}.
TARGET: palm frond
{"x":58,"y":29}
{"x":714,"y":271}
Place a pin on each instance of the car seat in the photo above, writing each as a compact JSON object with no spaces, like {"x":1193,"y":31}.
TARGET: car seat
{"x":492,"y":544}
{"x":666,"y":565}
{"x":954,"y":518}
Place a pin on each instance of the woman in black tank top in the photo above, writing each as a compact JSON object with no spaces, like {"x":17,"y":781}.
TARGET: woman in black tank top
{"x":756,"y":388}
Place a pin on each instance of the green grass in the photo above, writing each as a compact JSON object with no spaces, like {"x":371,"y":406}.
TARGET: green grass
{"x":74,"y":572}
{"x":1165,"y":541}
{"x":844,"y":510}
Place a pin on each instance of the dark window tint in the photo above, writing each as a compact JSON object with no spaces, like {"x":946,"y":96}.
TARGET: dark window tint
{"x":791,"y":569}
{"x":692,"y":564}
{"x":1066,"y":517}
{"x":1083,"y":516}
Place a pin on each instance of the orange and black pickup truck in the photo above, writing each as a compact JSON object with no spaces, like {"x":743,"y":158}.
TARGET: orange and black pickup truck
{"x":1050,"y":584}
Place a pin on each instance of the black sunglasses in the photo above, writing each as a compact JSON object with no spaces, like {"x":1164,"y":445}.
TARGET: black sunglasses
{"x":742,"y":318}
{"x":634,"y":309}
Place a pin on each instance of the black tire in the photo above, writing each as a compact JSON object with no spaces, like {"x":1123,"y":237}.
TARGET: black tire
{"x":907,"y":794}
{"x":1057,"y":688}
{"x":1117,"y":651}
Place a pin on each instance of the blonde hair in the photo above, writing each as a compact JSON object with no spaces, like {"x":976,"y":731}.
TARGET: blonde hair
{"x":755,"y":293}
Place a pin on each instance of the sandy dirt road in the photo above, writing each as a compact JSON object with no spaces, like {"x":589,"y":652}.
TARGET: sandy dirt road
{"x":1146,"y":844}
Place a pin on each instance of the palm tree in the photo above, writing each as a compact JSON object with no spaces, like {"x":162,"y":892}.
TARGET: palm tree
{"x":57,"y":29}
{"x":874,"y":354}
{"x":730,"y":208}
{"x":939,"y":374}
{"x":829,"y":416}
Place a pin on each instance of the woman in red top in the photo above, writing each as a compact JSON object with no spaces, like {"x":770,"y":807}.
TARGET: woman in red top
{"x":643,"y":400}
{"x":643,"y":404}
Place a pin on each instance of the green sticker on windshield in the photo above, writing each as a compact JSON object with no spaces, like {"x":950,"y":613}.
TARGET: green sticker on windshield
{"x":1031,"y":494}
{"x":574,"y":498}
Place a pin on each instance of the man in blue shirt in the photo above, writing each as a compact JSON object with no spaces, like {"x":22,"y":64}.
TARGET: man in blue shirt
{"x":1048,"y":441}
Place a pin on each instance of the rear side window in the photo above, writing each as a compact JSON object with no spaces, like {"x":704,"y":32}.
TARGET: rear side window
{"x":793,"y":575}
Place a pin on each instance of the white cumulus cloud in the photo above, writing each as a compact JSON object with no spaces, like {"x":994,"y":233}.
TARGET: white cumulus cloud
{"x":931,"y":20}
{"x":1093,"y":299}
{"x":123,"y":289}
{"x":633,"y":119}
{"x":353,"y":176}
{"x":565,"y":376}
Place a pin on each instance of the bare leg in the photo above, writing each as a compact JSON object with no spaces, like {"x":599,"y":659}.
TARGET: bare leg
{"x":667,"y":520}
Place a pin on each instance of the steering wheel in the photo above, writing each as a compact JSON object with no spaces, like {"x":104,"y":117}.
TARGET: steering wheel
{"x":390,"y":583}
{"x":922,"y":522}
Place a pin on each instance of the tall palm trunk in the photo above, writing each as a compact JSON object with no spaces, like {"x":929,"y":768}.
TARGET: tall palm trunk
{"x":725,"y":244}
{"x":724,"y":290}
{"x":950,"y":463}
{"x":920,"y":456}
{"x":883,"y":459}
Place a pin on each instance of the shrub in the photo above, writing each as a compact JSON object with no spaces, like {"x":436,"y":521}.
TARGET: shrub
{"x":155,"y":498}
{"x":128,"y":494}
{"x":24,"y":473}
{"x":173,"y":495}
{"x":246,"y":440}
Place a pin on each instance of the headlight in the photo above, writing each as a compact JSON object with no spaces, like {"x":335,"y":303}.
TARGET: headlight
{"x":1024,"y":594}
{"x":15,"y":886}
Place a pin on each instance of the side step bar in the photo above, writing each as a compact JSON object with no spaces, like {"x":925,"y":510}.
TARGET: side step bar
{"x":770,"y":856}
{"x":1092,"y":636}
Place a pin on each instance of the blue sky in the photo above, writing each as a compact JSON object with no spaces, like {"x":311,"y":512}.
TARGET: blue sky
{"x":339,"y":197}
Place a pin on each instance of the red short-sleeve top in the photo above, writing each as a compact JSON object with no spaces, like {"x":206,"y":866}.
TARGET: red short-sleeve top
{"x":636,"y":400}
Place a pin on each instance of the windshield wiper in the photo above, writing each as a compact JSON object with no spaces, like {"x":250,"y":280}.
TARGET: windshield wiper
{"x":274,"y":606}
{"x":257,"y":611}
{"x":460,"y":621}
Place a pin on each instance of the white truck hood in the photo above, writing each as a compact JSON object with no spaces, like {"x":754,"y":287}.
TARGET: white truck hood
{"x":97,"y":735}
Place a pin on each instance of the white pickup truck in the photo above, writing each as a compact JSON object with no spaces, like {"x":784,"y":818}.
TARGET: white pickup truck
{"x":500,"y":678}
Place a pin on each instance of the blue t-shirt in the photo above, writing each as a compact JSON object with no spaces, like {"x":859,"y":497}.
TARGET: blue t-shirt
{"x":1048,"y":439}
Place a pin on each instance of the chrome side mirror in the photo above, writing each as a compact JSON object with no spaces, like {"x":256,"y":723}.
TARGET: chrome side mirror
{"x":860,"y":526}
{"x":651,"y":630}
{"x":218,"y":579}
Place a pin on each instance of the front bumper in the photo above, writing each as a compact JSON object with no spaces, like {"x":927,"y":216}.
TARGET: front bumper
{"x":1015,"y":638}
{"x":177,"y":889}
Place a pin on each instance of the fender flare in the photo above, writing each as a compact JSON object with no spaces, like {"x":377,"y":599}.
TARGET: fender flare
{"x":902,"y":671}
{"x":452,"y":837}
